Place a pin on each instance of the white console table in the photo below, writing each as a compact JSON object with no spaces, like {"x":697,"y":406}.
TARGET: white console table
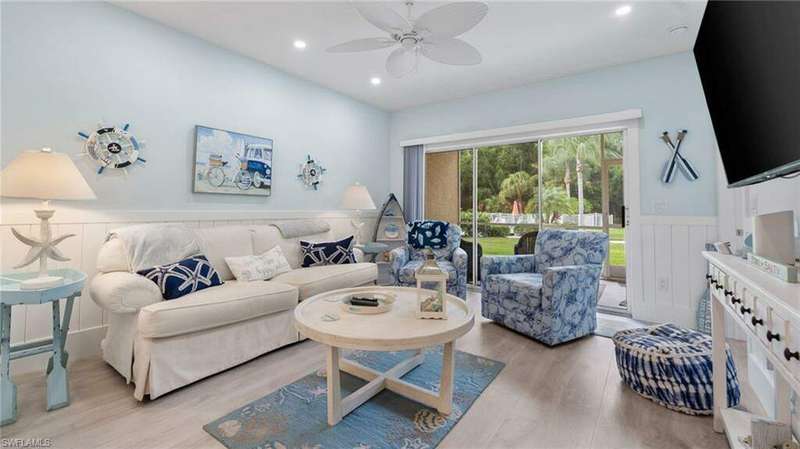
{"x":769,"y":312}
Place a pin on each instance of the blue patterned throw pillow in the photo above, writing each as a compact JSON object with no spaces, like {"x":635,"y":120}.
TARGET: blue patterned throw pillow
{"x":428,"y":234}
{"x":328,"y":253}
{"x":184,"y":277}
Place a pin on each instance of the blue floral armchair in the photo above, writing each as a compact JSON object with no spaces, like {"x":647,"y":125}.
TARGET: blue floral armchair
{"x":406,"y":259}
{"x":551,"y":295}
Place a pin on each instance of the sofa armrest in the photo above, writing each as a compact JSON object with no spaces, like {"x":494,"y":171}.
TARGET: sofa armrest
{"x":570,"y":286}
{"x":123,"y":292}
{"x":506,"y":264}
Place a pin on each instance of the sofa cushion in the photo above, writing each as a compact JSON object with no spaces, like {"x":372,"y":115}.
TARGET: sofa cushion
{"x":328,"y":253}
{"x":218,"y":306}
{"x":408,"y":271}
{"x":183,"y":277}
{"x":259,"y":268}
{"x":225,"y":241}
{"x":505,"y":285}
{"x":314,"y":280}
{"x":268,"y":236}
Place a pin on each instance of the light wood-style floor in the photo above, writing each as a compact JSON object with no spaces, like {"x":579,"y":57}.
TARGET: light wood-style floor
{"x":566,"y":397}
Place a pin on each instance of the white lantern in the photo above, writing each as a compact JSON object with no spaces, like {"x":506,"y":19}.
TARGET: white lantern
{"x":431,"y":301}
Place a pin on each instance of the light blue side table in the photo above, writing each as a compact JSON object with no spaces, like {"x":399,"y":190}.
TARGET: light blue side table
{"x":11,"y":295}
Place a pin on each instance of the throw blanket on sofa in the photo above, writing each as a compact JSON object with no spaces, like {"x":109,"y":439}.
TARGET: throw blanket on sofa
{"x":301,"y":228}
{"x":149,"y":245}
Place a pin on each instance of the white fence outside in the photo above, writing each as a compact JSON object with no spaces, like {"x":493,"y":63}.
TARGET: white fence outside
{"x":593,"y":219}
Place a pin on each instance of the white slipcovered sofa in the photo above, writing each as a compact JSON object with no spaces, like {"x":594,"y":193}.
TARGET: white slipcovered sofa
{"x":163,"y":345}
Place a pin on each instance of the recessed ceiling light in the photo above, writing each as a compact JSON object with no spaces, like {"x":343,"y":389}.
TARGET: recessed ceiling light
{"x":375,"y":80}
{"x":300,"y":45}
{"x":623,"y":10}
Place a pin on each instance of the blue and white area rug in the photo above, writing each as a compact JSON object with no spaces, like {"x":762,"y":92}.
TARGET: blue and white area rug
{"x":295,"y":416}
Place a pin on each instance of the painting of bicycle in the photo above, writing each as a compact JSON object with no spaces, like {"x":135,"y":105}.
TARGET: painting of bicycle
{"x":232,"y":163}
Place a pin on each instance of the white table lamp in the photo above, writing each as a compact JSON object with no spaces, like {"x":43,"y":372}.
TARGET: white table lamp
{"x":44,"y":175}
{"x":357,"y":198}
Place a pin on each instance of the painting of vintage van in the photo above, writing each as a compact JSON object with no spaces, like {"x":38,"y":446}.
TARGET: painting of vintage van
{"x":232,"y":163}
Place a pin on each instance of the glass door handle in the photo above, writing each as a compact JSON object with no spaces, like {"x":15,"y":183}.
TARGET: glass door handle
{"x":622,"y":209}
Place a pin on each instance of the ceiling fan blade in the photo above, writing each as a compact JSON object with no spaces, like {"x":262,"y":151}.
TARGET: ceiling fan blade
{"x":451,"y":20}
{"x":383,"y":17}
{"x":451,"y":51}
{"x":401,"y":62}
{"x":370,"y":43}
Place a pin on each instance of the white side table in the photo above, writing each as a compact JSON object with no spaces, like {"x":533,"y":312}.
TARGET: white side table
{"x":396,"y":330}
{"x":11,"y":295}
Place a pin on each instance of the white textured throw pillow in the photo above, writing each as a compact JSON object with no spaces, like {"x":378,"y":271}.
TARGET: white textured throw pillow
{"x":259,"y":268}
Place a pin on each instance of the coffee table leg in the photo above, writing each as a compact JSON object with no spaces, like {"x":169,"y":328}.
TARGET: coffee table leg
{"x":334,"y":387}
{"x":446,"y":383}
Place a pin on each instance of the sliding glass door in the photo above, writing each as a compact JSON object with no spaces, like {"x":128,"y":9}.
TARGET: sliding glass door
{"x":501,"y":195}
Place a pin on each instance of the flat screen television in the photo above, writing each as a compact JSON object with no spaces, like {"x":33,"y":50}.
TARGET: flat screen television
{"x":748,"y":56}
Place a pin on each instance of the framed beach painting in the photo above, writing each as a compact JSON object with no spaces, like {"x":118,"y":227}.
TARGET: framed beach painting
{"x":232,"y":163}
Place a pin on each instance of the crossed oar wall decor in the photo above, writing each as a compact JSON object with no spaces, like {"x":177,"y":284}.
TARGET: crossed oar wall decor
{"x":677,"y":160}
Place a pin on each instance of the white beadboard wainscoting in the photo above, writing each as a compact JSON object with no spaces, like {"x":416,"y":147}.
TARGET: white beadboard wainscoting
{"x":87,"y":326}
{"x":669,"y":281}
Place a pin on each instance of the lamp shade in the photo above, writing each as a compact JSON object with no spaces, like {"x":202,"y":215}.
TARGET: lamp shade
{"x":45,"y":175}
{"x":357,"y":197}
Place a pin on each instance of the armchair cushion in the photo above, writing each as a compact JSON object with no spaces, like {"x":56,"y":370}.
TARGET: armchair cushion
{"x":453,"y":234}
{"x":523,"y":287}
{"x":406,"y":273}
{"x":428,"y":234}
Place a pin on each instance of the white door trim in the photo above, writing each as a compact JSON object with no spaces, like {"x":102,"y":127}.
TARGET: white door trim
{"x":631,"y":184}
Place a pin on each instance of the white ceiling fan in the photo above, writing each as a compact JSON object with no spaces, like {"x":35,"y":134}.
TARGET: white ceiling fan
{"x":433,"y":35}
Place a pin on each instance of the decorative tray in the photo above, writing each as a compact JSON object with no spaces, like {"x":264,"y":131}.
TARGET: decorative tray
{"x":384,"y":303}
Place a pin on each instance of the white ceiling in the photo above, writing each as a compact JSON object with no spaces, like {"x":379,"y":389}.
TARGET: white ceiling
{"x":521,"y":42}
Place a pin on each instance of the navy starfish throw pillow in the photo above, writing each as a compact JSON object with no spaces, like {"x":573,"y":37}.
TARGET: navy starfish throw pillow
{"x":328,"y":253}
{"x":184,"y":277}
{"x":428,"y":234}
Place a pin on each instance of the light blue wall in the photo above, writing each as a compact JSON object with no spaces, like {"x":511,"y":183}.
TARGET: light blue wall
{"x":66,"y":66}
{"x":667,"y":89}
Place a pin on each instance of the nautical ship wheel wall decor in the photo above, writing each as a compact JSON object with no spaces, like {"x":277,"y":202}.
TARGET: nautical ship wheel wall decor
{"x":113,"y":147}
{"x":311,"y":173}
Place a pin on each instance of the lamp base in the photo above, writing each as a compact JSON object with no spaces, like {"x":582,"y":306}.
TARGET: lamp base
{"x":41,"y":282}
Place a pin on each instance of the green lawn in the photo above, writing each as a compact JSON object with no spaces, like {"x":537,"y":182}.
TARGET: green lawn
{"x":504,"y":246}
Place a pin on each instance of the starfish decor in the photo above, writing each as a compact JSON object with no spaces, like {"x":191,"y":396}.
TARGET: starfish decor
{"x":42,"y":248}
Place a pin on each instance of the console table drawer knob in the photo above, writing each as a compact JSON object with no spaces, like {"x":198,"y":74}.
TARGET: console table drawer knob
{"x":771,"y":336}
{"x":757,"y":321}
{"x":744,"y":310}
{"x":789,"y":355}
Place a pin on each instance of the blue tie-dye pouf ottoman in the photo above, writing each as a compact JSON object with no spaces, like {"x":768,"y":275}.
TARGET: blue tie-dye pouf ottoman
{"x":672,"y":366}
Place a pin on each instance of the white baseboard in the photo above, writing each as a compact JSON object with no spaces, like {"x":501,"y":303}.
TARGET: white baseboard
{"x":81,"y":344}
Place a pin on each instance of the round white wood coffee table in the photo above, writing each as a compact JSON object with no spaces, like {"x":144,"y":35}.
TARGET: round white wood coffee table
{"x":396,"y":330}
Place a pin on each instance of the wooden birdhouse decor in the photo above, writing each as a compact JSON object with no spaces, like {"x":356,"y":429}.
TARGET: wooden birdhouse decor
{"x":431,"y":290}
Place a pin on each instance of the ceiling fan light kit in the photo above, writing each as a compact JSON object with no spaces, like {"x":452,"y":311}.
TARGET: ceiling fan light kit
{"x":433,"y":35}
